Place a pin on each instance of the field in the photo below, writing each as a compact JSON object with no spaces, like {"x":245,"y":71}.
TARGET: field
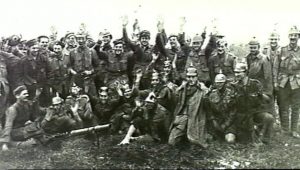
{"x":77,"y":152}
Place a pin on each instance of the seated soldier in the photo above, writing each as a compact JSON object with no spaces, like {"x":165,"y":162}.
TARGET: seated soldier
{"x":19,"y":120}
{"x":60,"y":119}
{"x":122,"y":116}
{"x":220,"y":105}
{"x":84,"y":106}
{"x":150,"y":119}
{"x":104,"y":106}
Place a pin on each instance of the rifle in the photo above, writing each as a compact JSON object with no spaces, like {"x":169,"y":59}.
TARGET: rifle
{"x":77,"y":132}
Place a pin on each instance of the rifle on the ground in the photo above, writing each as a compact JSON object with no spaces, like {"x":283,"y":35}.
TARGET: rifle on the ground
{"x":77,"y":132}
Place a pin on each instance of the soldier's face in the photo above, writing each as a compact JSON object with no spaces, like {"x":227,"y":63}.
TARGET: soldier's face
{"x":293,"y":38}
{"x":254,"y":49}
{"x":23,"y":96}
{"x":221,"y":48}
{"x":149,"y":105}
{"x":173,"y":41}
{"x":118,"y":48}
{"x":44,"y":43}
{"x":127,"y":93}
{"x":154,"y":81}
{"x":219,"y":85}
{"x":34,"y":50}
{"x":167,"y":69}
{"x":145,"y":41}
{"x":81,"y":40}
{"x":192,"y":80}
{"x":57,"y":49}
{"x":196,"y":45}
{"x":103,"y":97}
{"x":106,"y":39}
{"x":273,"y":42}
{"x":239,"y":76}
{"x":90,"y":43}
{"x":71,"y":40}
{"x":22,"y":49}
{"x":75,"y":90}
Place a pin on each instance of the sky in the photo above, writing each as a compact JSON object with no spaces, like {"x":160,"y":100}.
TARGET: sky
{"x":239,"y":20}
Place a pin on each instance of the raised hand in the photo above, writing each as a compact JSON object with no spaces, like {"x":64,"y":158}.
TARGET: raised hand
{"x":124,"y":20}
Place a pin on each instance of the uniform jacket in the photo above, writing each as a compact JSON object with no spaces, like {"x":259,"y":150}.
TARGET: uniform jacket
{"x":287,"y":67}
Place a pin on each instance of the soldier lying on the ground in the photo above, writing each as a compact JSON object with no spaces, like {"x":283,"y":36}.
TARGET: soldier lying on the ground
{"x":149,"y":119}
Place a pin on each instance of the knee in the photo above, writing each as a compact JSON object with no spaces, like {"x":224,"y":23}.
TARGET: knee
{"x":268,"y":118}
{"x":230,"y":138}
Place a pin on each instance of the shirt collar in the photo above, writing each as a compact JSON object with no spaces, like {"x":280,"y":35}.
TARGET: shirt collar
{"x":294,"y":49}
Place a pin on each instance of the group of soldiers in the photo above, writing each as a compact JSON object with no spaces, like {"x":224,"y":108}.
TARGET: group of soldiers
{"x":176,"y":91}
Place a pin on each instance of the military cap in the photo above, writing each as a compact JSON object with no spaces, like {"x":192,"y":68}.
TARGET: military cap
{"x":191,"y":70}
{"x":31,"y":43}
{"x":69,"y":34}
{"x":144,"y":33}
{"x":81,"y":34}
{"x":106,"y":33}
{"x":197,"y":38}
{"x":220,"y":78}
{"x":118,"y":41}
{"x":240,"y":67}
{"x":293,"y":30}
{"x":222,"y":42}
{"x":253,"y":41}
{"x":14,"y":40}
{"x":19,"y":89}
{"x":103,"y":90}
{"x":155,"y":75}
{"x":57,"y":100}
{"x":150,"y":98}
{"x":274,"y":35}
{"x":59,"y":43}
{"x":173,"y":35}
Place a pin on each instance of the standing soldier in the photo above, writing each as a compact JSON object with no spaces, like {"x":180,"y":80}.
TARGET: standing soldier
{"x":222,"y":61}
{"x":190,"y":118}
{"x":221,"y":105}
{"x":59,"y":75}
{"x":83,"y":64}
{"x":250,"y":99}
{"x":259,"y":68}
{"x":35,"y":68}
{"x":274,"y":49}
{"x":142,"y":52}
{"x":287,"y":83}
{"x":197,"y":57}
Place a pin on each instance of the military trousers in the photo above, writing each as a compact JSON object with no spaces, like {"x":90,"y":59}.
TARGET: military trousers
{"x":288,"y":99}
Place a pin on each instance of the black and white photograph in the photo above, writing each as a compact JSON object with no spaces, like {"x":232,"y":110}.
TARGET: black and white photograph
{"x":149,"y":84}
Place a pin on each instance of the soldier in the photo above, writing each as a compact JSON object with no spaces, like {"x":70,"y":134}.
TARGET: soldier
{"x":19,"y":119}
{"x":197,"y":57}
{"x":43,"y":42}
{"x":251,"y":113}
{"x":104,"y":106}
{"x":84,"y":106}
{"x":222,"y":60}
{"x":150,"y":119}
{"x":59,"y":73}
{"x":70,"y":41}
{"x":274,"y":49}
{"x":35,"y":69}
{"x":83,"y":64}
{"x":59,"y":119}
{"x":172,"y":50}
{"x":259,"y":68}
{"x":286,"y":74}
{"x":118,"y":64}
{"x":190,"y":118}
{"x":142,"y":52}
{"x":221,"y":109}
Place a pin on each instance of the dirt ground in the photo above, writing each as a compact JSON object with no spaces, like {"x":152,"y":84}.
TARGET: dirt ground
{"x":78,"y":152}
